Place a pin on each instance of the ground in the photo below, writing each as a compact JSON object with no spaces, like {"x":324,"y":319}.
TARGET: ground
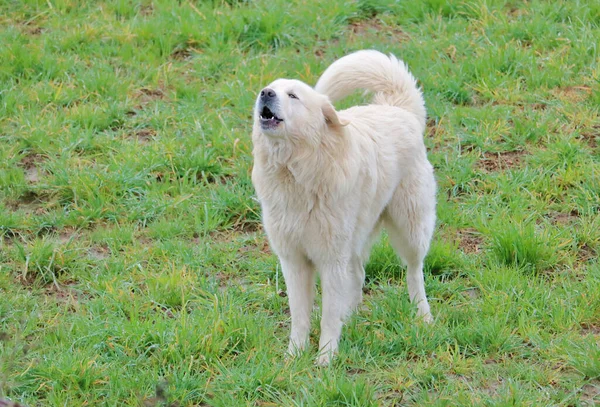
{"x":133,"y":267}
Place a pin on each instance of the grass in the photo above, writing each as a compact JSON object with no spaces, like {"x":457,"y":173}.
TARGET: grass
{"x":133,"y":268}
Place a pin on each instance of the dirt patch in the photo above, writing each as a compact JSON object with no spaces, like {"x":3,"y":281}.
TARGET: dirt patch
{"x":353,"y":371}
{"x":152,"y":93}
{"x":585,"y":253}
{"x":32,"y":175}
{"x":374,"y":25}
{"x":30,"y":28}
{"x":470,"y":241}
{"x":29,"y":197}
{"x":517,"y":12}
{"x":145,"y":96}
{"x":146,"y":10}
{"x":181,"y":54}
{"x":319,"y":52}
{"x":66,"y":295}
{"x":243,"y":226}
{"x":10,"y":403}
{"x":321,"y":49}
{"x":472,"y":293}
{"x":590,"y":329}
{"x":590,"y":394}
{"x":31,"y":160}
{"x":491,"y":162}
{"x":28,"y":280}
{"x":591,"y":136}
{"x":68,"y":234}
{"x":522,"y":105}
{"x":538,"y":106}
{"x":8,"y":236}
{"x":30,"y":163}
{"x":162,"y":309}
{"x":263,"y":247}
{"x":226,"y":281}
{"x":491,"y":387}
{"x":63,"y":293}
{"x":143,"y":136}
{"x":35,"y":30}
{"x":564,"y":218}
{"x":29,"y":203}
{"x":99,"y":252}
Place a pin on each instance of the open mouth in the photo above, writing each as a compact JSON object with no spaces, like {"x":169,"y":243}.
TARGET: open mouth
{"x":268,"y":118}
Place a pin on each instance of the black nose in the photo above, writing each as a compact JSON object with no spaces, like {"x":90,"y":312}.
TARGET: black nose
{"x":267,"y":94}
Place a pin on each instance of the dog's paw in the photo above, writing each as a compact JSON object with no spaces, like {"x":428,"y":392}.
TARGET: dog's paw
{"x":294,"y":350}
{"x":326,"y":355}
{"x":426,"y":318}
{"x":324,"y":359}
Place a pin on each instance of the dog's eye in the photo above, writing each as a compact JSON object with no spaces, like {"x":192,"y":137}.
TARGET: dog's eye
{"x":292,"y":96}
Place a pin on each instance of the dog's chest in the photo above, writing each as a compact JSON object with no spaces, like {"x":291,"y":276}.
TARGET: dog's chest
{"x":293,"y":211}
{"x":293,"y":204}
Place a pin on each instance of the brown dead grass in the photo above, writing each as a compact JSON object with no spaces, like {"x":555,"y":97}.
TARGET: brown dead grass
{"x":435,"y":131}
{"x":572,"y":94}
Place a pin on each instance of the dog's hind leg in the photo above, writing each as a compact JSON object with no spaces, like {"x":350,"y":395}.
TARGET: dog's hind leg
{"x":342,"y":292}
{"x":299,"y":275}
{"x":410,"y":227}
{"x":415,"y":280}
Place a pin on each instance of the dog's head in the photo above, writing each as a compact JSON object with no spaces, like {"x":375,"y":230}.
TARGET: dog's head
{"x":292,"y":109}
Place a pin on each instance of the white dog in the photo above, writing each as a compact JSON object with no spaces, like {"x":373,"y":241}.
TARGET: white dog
{"x":327,"y":181}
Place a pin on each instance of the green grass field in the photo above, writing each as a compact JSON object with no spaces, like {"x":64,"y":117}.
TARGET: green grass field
{"x":133,"y":267}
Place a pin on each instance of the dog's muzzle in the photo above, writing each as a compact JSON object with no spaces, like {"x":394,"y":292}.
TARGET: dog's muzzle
{"x":267,"y":106}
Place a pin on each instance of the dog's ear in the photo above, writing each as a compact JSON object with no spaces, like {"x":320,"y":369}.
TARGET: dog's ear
{"x":332,"y":117}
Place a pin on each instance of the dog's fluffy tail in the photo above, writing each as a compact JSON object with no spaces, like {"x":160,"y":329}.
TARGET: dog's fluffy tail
{"x":387,"y":77}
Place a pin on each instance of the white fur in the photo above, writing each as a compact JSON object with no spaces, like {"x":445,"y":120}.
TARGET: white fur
{"x":327,"y":181}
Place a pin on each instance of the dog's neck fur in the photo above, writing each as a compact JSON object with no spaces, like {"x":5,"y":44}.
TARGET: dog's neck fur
{"x":305,"y":159}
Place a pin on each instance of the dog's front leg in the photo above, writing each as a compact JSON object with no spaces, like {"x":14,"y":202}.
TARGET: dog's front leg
{"x":299,"y":277}
{"x":342,"y":291}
